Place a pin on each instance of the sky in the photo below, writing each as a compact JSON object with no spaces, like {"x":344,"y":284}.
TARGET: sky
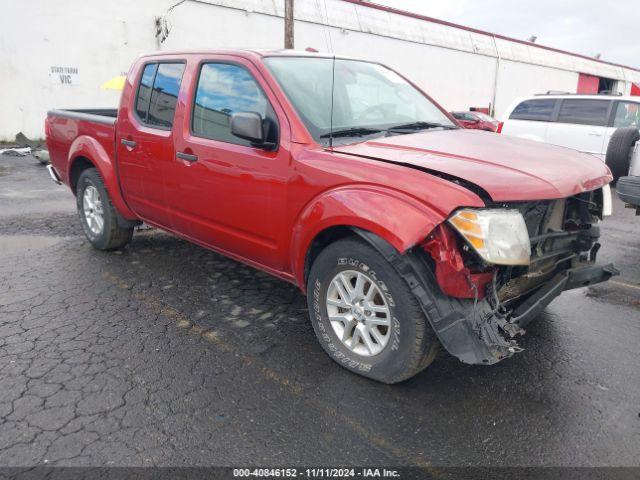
{"x":608,"y":27}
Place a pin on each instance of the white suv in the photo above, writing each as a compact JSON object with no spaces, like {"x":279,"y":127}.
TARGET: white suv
{"x":581,"y":122}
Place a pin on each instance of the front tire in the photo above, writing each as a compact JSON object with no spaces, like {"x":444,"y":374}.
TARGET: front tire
{"x":365,"y":316}
{"x":97,"y":215}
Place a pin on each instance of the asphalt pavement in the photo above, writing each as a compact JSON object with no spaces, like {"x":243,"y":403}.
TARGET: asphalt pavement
{"x":168,"y":354}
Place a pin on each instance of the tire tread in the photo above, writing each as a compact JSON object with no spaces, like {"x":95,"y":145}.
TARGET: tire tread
{"x":425,"y":343}
{"x":619,"y":149}
{"x":116,"y":236}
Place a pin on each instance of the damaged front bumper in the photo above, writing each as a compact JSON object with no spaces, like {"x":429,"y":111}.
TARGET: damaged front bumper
{"x":581,"y":276}
{"x":473,"y":330}
{"x":484,"y":336}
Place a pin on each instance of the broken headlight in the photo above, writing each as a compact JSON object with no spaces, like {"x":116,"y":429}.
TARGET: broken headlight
{"x":499,"y":236}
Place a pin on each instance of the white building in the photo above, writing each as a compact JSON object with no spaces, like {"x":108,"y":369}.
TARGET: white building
{"x":57,"y":54}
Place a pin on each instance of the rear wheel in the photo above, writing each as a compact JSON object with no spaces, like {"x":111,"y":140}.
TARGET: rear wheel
{"x":97,"y":214}
{"x":619,"y":151}
{"x":365,"y":316}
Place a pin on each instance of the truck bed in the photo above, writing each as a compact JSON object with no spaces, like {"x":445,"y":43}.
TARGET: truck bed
{"x":66,"y":127}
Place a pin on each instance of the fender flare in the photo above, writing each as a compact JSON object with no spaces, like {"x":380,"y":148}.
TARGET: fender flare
{"x":398,"y":219}
{"x":87,"y":147}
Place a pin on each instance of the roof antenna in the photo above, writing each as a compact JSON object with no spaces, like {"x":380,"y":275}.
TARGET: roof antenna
{"x":333,"y":82}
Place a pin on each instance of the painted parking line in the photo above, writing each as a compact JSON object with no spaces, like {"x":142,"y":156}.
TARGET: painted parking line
{"x":287,"y":385}
{"x":625,"y":284}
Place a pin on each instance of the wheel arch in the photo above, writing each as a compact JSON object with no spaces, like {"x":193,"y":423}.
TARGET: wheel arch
{"x":322,"y":240}
{"x":76,"y":167}
{"x":369,"y":213}
{"x":86,"y":152}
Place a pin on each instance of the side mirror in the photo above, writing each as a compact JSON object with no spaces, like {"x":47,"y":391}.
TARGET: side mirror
{"x":248,"y":126}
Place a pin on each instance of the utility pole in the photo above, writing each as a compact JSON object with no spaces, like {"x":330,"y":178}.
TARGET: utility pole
{"x":288,"y":24}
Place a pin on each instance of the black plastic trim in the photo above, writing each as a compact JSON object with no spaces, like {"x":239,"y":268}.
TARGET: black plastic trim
{"x":574,"y":278}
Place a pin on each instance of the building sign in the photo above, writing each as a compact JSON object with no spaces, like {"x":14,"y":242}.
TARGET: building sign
{"x":64,"y":75}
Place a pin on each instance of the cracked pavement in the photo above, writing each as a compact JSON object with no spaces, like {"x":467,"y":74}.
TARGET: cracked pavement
{"x":167,"y":354}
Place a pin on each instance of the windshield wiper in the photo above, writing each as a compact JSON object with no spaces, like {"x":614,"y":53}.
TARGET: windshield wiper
{"x":351,"y":132}
{"x":420,"y":126}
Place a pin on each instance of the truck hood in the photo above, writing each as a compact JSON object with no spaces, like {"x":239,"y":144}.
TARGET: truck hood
{"x":507,"y":168}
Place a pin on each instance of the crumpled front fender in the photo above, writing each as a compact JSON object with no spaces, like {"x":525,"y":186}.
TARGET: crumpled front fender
{"x":399,"y":219}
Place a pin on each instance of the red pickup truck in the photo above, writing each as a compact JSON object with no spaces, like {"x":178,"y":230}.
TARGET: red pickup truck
{"x":344,"y":178}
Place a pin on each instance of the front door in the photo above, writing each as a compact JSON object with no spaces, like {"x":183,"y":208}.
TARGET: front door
{"x":226,"y":193}
{"x":144,"y":140}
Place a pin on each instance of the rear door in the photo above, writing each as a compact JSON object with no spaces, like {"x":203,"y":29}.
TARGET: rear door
{"x":530,"y":119}
{"x":144,"y":139}
{"x":580,"y":124}
{"x":226,"y":193}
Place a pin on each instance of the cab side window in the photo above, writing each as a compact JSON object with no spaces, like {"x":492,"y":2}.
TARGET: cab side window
{"x":158,"y":94}
{"x":540,"y":110}
{"x":224,"y":89}
{"x":144,"y":91}
{"x":584,"y":112}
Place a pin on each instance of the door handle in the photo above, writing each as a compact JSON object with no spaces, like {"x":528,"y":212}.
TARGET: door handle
{"x":128,"y":143}
{"x":595,"y":134}
{"x":187,"y":156}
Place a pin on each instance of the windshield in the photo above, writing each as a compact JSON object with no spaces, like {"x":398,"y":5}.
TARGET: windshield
{"x":368,"y":99}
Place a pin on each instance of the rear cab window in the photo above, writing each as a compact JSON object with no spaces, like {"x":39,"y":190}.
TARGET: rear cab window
{"x":539,"y":109}
{"x":580,"y":111}
{"x":158,"y":94}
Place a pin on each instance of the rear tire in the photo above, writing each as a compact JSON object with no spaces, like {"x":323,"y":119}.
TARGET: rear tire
{"x":97,"y":215}
{"x":619,"y":151}
{"x":394,"y":353}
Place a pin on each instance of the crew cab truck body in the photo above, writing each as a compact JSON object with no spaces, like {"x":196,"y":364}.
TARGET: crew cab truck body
{"x":342,"y":177}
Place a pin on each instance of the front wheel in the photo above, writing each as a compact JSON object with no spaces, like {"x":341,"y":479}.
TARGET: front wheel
{"x":97,"y":214}
{"x":365,"y":316}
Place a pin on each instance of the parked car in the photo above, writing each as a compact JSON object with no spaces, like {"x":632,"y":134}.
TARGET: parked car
{"x":476,"y":121}
{"x":343,"y":178}
{"x":581,"y":122}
